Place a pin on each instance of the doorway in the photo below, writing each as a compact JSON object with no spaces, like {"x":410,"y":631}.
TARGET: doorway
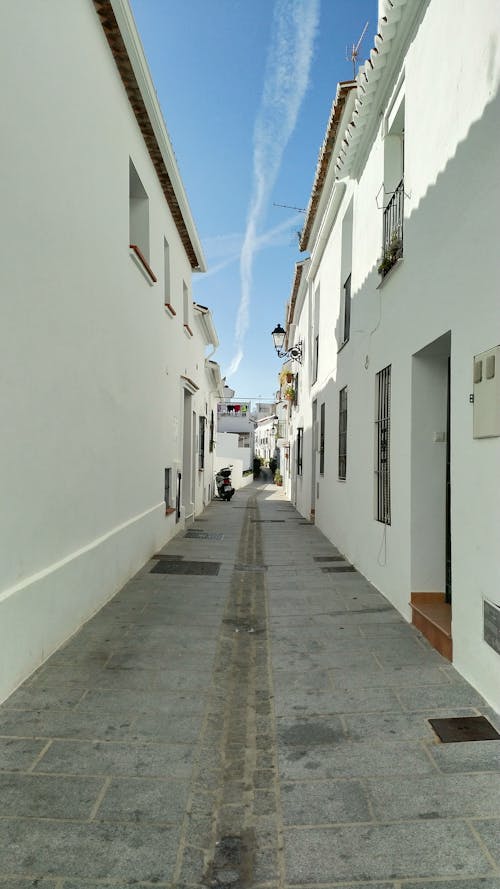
{"x":431,"y":492}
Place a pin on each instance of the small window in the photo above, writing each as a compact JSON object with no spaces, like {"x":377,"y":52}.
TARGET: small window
{"x":138,"y":213}
{"x":383,"y":446}
{"x":167,"y":295}
{"x":322,"y":440}
{"x":343,"y":433}
{"x":186,"y":308}
{"x":300,"y":445}
{"x":244,"y":439}
{"x":168,"y":488}
{"x":347,"y":310}
{"x":202,"y":423}
{"x":315,"y":358}
{"x":211,"y":443}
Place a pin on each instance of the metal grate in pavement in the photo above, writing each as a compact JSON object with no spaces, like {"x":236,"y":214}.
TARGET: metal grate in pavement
{"x":203,"y":535}
{"x":329,"y":558}
{"x":267,"y":521}
{"x":328,"y":569}
{"x":464,"y":728}
{"x":183,"y":567}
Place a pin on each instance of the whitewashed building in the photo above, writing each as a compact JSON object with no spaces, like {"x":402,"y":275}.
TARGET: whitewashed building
{"x":395,"y":442}
{"x":108,"y":398}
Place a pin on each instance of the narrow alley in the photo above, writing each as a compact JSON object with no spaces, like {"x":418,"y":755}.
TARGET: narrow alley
{"x":247,"y":712}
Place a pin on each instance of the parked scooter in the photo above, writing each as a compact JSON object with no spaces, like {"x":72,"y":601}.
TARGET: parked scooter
{"x":225,"y":488}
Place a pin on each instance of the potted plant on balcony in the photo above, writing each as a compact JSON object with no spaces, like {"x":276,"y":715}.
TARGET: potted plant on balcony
{"x":286,"y":376}
{"x":289,"y":393}
{"x":392,"y":252}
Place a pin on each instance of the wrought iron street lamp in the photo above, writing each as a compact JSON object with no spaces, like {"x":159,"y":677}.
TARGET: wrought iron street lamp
{"x":294,"y":352}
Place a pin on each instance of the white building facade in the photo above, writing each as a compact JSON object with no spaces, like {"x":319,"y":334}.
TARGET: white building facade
{"x":108,"y":398}
{"x":397,"y":427}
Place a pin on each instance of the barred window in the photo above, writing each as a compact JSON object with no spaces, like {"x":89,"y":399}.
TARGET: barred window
{"x":383,"y":446}
{"x":347,"y":310}
{"x":300,"y":443}
{"x":343,"y":433}
{"x":322,"y":440}
{"x":202,"y":422}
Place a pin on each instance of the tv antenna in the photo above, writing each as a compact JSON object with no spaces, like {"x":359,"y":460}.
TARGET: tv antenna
{"x":353,"y":57}
{"x":290,"y":207}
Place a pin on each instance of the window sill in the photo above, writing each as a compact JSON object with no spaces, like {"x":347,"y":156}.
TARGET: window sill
{"x":170,"y":310}
{"x":188,"y":331}
{"x":390,"y":273}
{"x":142,"y":264}
{"x":170,"y":510}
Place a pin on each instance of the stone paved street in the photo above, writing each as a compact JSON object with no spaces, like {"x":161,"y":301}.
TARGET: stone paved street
{"x":263,"y":726}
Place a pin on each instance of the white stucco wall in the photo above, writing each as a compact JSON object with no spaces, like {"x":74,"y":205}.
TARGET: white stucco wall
{"x":444,"y":291}
{"x":90,"y":390}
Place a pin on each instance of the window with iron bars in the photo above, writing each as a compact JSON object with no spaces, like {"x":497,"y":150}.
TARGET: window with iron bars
{"x":322,"y":440}
{"x":202,"y":422}
{"x":383,"y":446}
{"x":300,"y":444}
{"x":343,"y":433}
{"x":347,"y":310}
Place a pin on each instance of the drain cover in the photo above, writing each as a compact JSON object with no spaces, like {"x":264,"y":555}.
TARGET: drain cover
{"x":329,"y":568}
{"x":464,"y":728}
{"x":267,"y":521}
{"x":203,"y":535}
{"x":182,"y":567}
{"x":329,"y":558}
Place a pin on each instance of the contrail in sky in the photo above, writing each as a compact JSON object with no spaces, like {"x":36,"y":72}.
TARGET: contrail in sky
{"x":289,"y":60}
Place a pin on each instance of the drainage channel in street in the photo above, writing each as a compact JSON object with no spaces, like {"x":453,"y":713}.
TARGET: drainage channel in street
{"x":237,"y":767}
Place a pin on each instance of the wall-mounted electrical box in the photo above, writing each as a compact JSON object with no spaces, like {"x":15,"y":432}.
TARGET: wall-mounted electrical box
{"x":486,"y":380}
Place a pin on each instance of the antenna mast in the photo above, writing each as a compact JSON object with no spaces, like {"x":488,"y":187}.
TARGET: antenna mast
{"x":353,"y":57}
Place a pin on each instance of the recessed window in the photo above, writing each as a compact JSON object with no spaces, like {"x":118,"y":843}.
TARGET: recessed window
{"x":202,"y":424}
{"x":138,"y":213}
{"x":347,"y":309}
{"x":167,"y":295}
{"x":345,"y":270}
{"x":383,"y":446}
{"x":343,"y":433}
{"x":211,"y":443}
{"x":186,"y":308}
{"x":322,"y":439}
{"x":168,"y":489}
{"x":300,"y":446}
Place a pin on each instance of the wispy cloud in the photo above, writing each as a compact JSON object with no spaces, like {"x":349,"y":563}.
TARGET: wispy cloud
{"x":287,"y":76}
{"x":227,"y":248}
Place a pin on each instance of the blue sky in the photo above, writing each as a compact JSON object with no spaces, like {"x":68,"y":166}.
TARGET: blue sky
{"x":246,"y":90}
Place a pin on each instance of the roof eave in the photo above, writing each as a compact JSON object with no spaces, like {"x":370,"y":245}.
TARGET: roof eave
{"x":121,"y":33}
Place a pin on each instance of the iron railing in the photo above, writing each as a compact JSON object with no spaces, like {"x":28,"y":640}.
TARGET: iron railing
{"x":392,"y":243}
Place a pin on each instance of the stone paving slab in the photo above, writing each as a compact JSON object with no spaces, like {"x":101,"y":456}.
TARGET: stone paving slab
{"x":117,"y":759}
{"x":143,"y":800}
{"x":324,"y":802}
{"x":38,"y":796}
{"x":95,"y":851}
{"x":354,"y":760}
{"x":475,"y":756}
{"x":440,"y":796}
{"x":387,"y":851}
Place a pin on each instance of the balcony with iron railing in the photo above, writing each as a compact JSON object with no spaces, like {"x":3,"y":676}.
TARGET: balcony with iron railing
{"x":392,"y":242}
